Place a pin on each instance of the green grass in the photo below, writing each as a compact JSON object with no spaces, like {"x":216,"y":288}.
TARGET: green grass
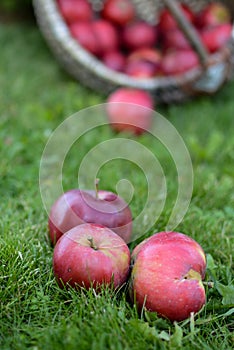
{"x":36,"y":96}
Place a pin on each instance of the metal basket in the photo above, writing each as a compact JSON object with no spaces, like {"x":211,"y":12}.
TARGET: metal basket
{"x":91,"y":72}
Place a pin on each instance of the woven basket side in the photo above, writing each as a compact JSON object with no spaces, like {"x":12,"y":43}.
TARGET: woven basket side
{"x":93,"y":73}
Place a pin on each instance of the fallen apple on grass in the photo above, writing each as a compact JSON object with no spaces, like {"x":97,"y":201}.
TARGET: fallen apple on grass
{"x":76,"y":207}
{"x":167,"y":274}
{"x":91,"y":255}
{"x":130,"y":110}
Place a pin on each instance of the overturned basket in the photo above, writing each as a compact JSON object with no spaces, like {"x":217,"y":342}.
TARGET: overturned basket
{"x":215,"y":69}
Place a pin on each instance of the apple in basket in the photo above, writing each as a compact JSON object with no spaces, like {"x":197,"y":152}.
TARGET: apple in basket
{"x":91,"y":255}
{"x":115,"y":60}
{"x":175,"y":39}
{"x":139,"y":34}
{"x":76,"y":207}
{"x":213,"y":14}
{"x":75,"y":10}
{"x":97,"y":36}
{"x":168,"y":269}
{"x":144,"y":62}
{"x":119,"y":12}
{"x":215,"y":38}
{"x":177,"y":62}
{"x":167,"y":22}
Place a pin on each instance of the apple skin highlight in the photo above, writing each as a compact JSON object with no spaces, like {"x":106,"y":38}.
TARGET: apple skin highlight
{"x":76,"y":207}
{"x":167,"y":275}
{"x":91,"y":255}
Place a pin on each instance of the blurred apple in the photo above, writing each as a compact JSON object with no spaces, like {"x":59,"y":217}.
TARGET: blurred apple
{"x":139,"y":34}
{"x":119,"y":12}
{"x":214,"y":38}
{"x":141,"y":69}
{"x":179,"y":61}
{"x":115,"y":60}
{"x":144,"y":62}
{"x":167,"y":22}
{"x":213,"y":14}
{"x":84,"y":34}
{"x":175,"y":39}
{"x":75,"y":10}
{"x":106,"y":35}
{"x":130,"y":110}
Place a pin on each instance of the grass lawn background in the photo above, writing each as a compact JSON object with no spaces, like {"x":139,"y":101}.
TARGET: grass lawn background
{"x":36,"y":95}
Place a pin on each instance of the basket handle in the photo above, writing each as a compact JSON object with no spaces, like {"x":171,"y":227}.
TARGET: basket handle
{"x":189,"y":31}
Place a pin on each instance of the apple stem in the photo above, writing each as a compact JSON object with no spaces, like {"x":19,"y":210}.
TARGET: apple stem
{"x":96,"y":187}
{"x":209,"y":284}
{"x":92,"y":245}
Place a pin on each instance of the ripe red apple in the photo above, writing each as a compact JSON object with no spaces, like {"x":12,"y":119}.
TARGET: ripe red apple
{"x":97,"y":36}
{"x":167,"y":21}
{"x":175,"y":39}
{"x":115,"y":60}
{"x":106,"y":35}
{"x":75,"y":10}
{"x":119,"y":12}
{"x":91,"y":255}
{"x":153,"y":55}
{"x":84,"y":34}
{"x":214,"y":38}
{"x":179,"y":61}
{"x":139,"y":34}
{"x":144,"y":63}
{"x":76,"y":207}
{"x":130,"y":110}
{"x":167,"y":275}
{"x":213,"y":14}
{"x":140,"y":69}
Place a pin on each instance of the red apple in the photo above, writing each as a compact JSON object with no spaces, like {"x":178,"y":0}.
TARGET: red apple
{"x":115,"y":60}
{"x":119,"y":12}
{"x":141,"y":69}
{"x":76,"y":207}
{"x":144,"y":62}
{"x":167,"y":275}
{"x":213,"y":14}
{"x":179,"y":61}
{"x":175,"y":39}
{"x":214,"y":38}
{"x":98,"y":36}
{"x":139,"y":34}
{"x":146,"y":53}
{"x":130,"y":110}
{"x":84,"y":34}
{"x":75,"y":10}
{"x":106,"y":35}
{"x":91,"y":255}
{"x":167,"y":21}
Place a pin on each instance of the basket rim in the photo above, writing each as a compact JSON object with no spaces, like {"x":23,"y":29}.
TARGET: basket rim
{"x":54,"y":28}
